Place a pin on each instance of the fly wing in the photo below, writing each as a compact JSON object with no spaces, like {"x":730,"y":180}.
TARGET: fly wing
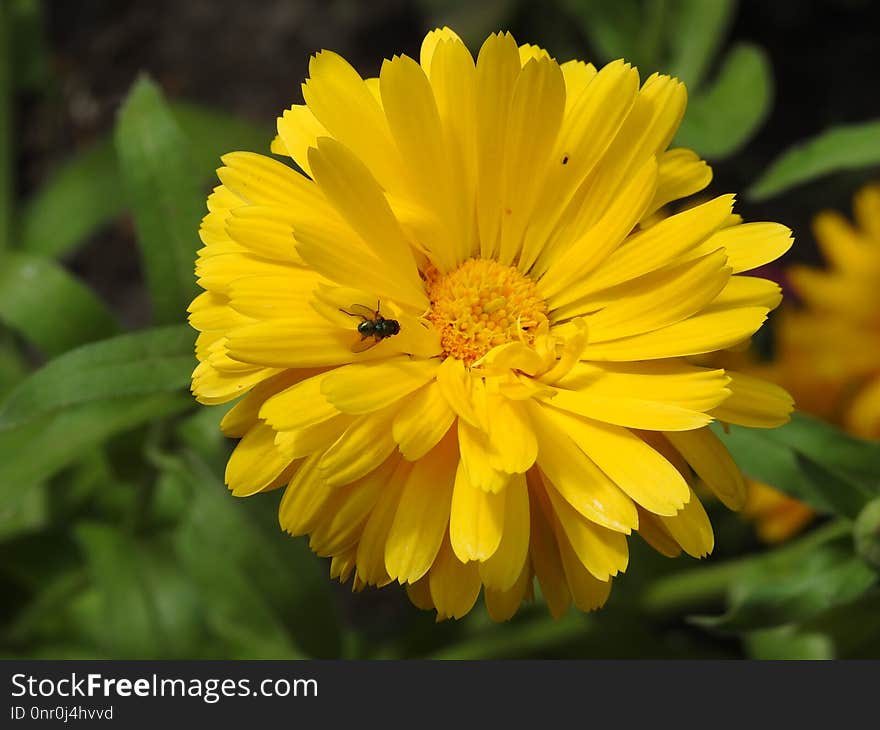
{"x":364,"y":344}
{"x":361,"y":311}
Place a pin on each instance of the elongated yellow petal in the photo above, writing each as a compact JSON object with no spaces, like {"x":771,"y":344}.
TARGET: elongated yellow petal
{"x":505,"y":566}
{"x":298,"y":130}
{"x":503,"y":604}
{"x":662,"y":243}
{"x":587,"y":591}
{"x":296,"y":443}
{"x":299,"y":405}
{"x":691,"y":529}
{"x":602,"y":552}
{"x":705,"y":332}
{"x":476,"y":522}
{"x":367,"y":387}
{"x":365,"y":444}
{"x":642,"y":395}
{"x":262,"y":181}
{"x":273,"y":297}
{"x":498,"y":67}
{"x":649,"y":479}
{"x":371,"y":547}
{"x":244,"y":414}
{"x":748,"y":291}
{"x":713,"y":463}
{"x":754,"y":402}
{"x":303,"y":498}
{"x":430,"y":43}
{"x":546,"y":560}
{"x":577,"y":478}
{"x":680,"y":173}
{"x":255,"y":462}
{"x":750,"y":245}
{"x":294,"y":342}
{"x":454,"y":584}
{"x":346,"y":510}
{"x":422,"y":517}
{"x":652,"y":531}
{"x":478,"y":456}
{"x":421,"y":422}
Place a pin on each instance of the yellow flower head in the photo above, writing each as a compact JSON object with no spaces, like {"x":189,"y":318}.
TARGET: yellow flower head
{"x":829,"y":348}
{"x":465,"y":360}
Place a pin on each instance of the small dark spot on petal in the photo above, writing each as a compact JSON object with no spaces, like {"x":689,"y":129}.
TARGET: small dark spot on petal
{"x":565,"y":160}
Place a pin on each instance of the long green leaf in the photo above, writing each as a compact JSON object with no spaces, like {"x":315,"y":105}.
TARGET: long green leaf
{"x":36,"y":450}
{"x":143,"y":363}
{"x":165,"y":193}
{"x":87,"y":191}
{"x":48,"y":306}
{"x":723,"y":117}
{"x":779,"y":592}
{"x":850,"y":147}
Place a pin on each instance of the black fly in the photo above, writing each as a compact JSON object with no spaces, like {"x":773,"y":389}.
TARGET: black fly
{"x":373,"y":327}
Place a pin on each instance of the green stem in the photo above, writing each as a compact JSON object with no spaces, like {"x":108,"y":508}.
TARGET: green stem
{"x":6,"y":151}
{"x":704,"y":585}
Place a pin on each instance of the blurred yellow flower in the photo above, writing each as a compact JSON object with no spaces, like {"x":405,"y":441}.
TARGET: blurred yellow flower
{"x":827,"y":352}
{"x":464,"y":358}
{"x":829,"y":349}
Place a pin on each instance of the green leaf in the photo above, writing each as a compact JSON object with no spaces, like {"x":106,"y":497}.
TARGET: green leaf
{"x":723,"y":117}
{"x":48,"y":306}
{"x":779,"y":592}
{"x":146,"y":609}
{"x":24,"y":510}
{"x":695,"y":34}
{"x":31,"y":55}
{"x":87,"y":192}
{"x":46,"y":445}
{"x":811,"y":461}
{"x":259,"y":584}
{"x":787,"y":642}
{"x":166,"y":196}
{"x":144,"y":363}
{"x":847,"y":147}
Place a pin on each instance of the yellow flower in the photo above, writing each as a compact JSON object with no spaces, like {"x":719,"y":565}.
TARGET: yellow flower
{"x":463,"y":358}
{"x":829,"y":349}
{"x":827,"y":353}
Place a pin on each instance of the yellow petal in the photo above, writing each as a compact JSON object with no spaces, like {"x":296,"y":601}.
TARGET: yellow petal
{"x":750,"y":245}
{"x":244,"y":414}
{"x":298,"y":130}
{"x":420,"y":594}
{"x":476,"y":521}
{"x":691,"y":529}
{"x":649,"y":479}
{"x":367,"y":387}
{"x":421,"y":422}
{"x":591,"y":248}
{"x":454,"y":585}
{"x":307,"y":440}
{"x":577,"y":478}
{"x":748,"y":291}
{"x":863,"y":416}
{"x":706,"y":332}
{"x":662,"y":243}
{"x":681,"y":173}
{"x":652,"y":531}
{"x":365,"y":444}
{"x":294,"y":342}
{"x":665,"y":395}
{"x":299,"y":405}
{"x":351,"y":188}
{"x":273,"y":297}
{"x":422,"y":517}
{"x":547,"y":562}
{"x":587,"y":591}
{"x":341,"y":101}
{"x":533,"y":122}
{"x":498,"y":67}
{"x":501,"y":605}
{"x":577,"y":76}
{"x":255,"y":462}
{"x":430,"y":42}
{"x":260,"y":180}
{"x":602,"y":552}
{"x":713,"y":463}
{"x":346,"y":510}
{"x":371,"y":547}
{"x":754,"y":402}
{"x":267,"y":231}
{"x":513,"y":446}
{"x":659,"y":299}
{"x":506,"y":565}
{"x":303,"y":498}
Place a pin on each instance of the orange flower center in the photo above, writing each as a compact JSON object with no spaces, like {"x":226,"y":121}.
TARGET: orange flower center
{"x":483,"y":304}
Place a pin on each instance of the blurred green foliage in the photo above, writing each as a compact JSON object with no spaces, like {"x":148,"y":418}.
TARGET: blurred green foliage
{"x":117,"y":535}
